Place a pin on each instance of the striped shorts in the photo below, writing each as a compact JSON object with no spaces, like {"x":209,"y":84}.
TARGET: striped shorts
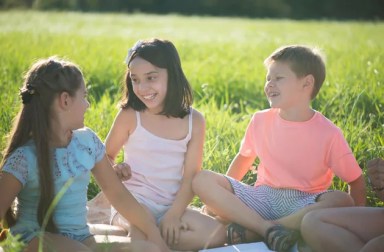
{"x":272,"y":203}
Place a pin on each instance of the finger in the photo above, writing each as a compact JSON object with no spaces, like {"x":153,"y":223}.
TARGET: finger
{"x":125,"y":174}
{"x":176,"y":236}
{"x":184,"y":226}
{"x":118,"y":173}
{"x":170,"y":236}
{"x":163,"y":232}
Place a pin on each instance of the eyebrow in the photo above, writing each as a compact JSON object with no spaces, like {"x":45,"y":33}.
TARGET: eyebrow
{"x":151,"y":72}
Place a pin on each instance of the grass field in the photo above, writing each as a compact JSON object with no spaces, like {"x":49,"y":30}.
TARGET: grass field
{"x":223,"y":60}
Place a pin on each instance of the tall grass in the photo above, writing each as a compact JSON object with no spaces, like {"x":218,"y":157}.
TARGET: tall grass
{"x":223,"y":60}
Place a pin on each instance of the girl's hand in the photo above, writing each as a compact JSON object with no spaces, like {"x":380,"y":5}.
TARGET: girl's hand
{"x":170,"y":227}
{"x":158,"y":240}
{"x":123,"y":171}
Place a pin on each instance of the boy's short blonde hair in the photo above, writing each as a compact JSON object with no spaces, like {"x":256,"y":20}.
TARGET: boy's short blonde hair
{"x":303,"y":60}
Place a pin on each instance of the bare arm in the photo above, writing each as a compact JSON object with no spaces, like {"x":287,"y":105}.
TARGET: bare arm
{"x":357,"y":191}
{"x":124,"y":202}
{"x":120,"y":130}
{"x":192,"y":164}
{"x":240,"y":166}
{"x":9,"y":188}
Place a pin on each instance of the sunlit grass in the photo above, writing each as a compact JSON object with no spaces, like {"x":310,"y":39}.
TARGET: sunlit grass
{"x":223,"y":60}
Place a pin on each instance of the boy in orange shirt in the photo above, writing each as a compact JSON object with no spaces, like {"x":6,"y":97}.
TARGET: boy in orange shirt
{"x":299,"y":151}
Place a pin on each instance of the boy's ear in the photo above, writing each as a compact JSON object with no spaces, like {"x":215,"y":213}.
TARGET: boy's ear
{"x":309,"y":81}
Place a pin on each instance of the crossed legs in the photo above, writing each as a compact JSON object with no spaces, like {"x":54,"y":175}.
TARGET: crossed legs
{"x":201,"y":231}
{"x":345,"y":229}
{"x":216,"y":192}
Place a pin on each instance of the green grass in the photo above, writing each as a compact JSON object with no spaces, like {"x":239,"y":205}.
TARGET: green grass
{"x":223,"y":60}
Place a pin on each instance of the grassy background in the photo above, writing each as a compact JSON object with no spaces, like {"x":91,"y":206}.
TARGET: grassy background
{"x":223,"y":60}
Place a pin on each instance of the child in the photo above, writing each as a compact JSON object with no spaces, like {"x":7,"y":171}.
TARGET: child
{"x":163,"y":138}
{"x":47,"y":165}
{"x":298,"y":149}
{"x":351,"y":228}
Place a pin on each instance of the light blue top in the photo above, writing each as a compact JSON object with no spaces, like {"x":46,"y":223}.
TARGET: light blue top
{"x":74,"y":161}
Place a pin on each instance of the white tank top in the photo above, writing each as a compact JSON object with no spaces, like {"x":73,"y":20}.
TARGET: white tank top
{"x":157,"y":163}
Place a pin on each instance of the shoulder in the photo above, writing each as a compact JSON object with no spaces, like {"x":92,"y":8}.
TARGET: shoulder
{"x":263,"y":114}
{"x":84,"y":134}
{"x":86,"y":137}
{"x":126,"y":118}
{"x":197,"y":116}
{"x":198,"y":121}
{"x":326,"y":123}
{"x":86,"y":142}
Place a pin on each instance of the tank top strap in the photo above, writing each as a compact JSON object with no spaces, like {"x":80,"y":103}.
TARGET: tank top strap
{"x":190,"y":123}
{"x":138,"y":120}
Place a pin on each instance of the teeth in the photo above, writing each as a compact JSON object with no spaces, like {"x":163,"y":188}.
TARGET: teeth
{"x":273,"y":94}
{"x":149,"y":97}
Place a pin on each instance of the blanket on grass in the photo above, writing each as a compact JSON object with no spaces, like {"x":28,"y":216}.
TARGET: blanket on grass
{"x":99,"y":212}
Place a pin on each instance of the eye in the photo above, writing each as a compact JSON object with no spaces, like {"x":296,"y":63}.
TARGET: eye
{"x":151,"y":78}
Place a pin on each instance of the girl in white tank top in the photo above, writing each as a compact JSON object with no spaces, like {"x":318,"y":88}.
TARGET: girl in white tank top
{"x":162,"y":137}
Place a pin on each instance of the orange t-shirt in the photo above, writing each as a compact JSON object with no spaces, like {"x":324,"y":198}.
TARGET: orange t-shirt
{"x":298,"y":155}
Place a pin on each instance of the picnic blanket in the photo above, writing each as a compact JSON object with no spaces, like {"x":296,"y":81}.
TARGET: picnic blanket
{"x":245,"y":247}
{"x":99,"y":212}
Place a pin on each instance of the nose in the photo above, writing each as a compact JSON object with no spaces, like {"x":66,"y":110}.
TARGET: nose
{"x":143,"y":86}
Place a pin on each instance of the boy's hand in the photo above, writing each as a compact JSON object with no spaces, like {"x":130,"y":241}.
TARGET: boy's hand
{"x":123,"y":171}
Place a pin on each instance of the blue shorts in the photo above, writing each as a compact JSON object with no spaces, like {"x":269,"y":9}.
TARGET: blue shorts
{"x":272,"y":203}
{"x":26,"y":236}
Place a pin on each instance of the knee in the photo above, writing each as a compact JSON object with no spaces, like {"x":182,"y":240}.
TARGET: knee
{"x":344,"y":199}
{"x":310,"y":220}
{"x":201,"y":180}
{"x":139,"y":246}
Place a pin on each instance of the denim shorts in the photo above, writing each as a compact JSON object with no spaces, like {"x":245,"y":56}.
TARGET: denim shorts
{"x":26,"y":236}
{"x":272,"y":203}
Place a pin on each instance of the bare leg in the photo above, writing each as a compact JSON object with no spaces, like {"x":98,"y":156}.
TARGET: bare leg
{"x":375,"y":244}
{"x":342,"y":229}
{"x":119,"y":243}
{"x":202,"y":231}
{"x":133,"y":232}
{"x":105,"y":229}
{"x":326,"y":200}
{"x":217,"y":193}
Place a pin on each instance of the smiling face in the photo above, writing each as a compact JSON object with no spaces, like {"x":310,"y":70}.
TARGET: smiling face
{"x":283,"y":88}
{"x":149,"y":83}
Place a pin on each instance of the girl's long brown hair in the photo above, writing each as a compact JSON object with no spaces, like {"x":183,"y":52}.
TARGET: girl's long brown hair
{"x":44,"y":81}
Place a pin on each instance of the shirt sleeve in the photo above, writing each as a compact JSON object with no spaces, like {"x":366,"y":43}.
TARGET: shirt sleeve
{"x":99,"y":147}
{"x":343,"y":161}
{"x":17,"y":165}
